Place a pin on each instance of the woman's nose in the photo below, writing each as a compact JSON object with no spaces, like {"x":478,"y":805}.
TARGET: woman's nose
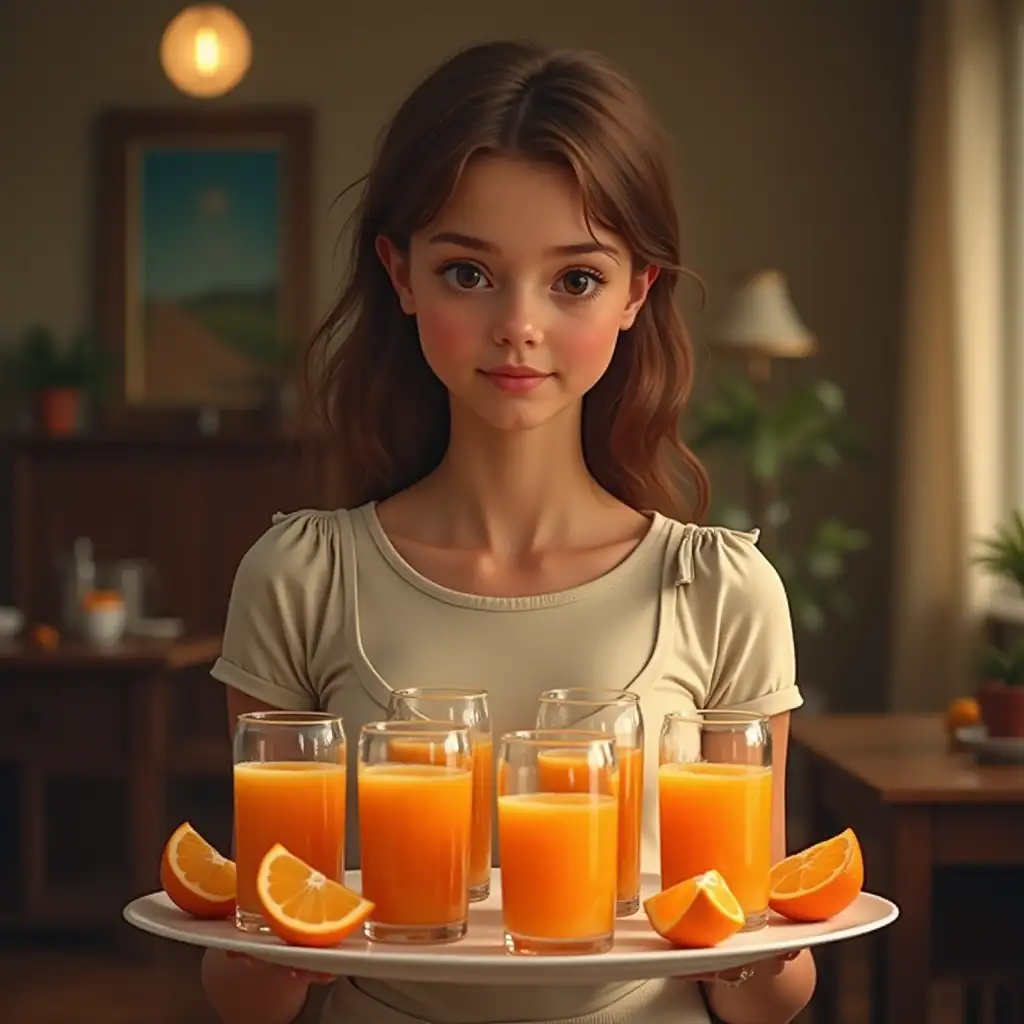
{"x":519,"y":322}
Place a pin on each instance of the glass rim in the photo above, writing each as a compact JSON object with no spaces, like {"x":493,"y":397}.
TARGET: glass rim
{"x":716,"y":716}
{"x":614,"y":696}
{"x":581,"y":738}
{"x":417,"y":726}
{"x":440,"y":693}
{"x":289,"y":718}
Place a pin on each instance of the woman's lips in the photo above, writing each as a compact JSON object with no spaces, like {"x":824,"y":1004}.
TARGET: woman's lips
{"x":516,"y":383}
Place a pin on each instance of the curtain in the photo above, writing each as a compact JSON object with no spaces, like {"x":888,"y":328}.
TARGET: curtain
{"x":950,"y":446}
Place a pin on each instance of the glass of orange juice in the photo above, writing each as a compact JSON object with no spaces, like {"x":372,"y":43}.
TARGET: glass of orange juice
{"x":615,"y":713}
{"x":464,"y":707}
{"x":558,"y":820}
{"x":415,"y":821}
{"x":289,"y":779}
{"x":715,"y":803}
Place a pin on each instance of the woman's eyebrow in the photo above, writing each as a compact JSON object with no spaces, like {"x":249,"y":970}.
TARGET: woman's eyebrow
{"x":480,"y":245}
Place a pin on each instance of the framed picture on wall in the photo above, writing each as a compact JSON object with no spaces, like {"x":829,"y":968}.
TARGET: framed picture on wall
{"x":203,"y":252}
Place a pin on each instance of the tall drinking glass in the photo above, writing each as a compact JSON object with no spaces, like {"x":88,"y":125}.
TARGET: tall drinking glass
{"x":615,"y":713}
{"x":289,"y":780}
{"x":715,"y":803}
{"x":415,"y":815}
{"x":464,"y":707}
{"x":558,"y":841}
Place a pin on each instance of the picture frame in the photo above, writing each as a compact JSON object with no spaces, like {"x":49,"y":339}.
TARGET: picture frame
{"x":203,"y":256}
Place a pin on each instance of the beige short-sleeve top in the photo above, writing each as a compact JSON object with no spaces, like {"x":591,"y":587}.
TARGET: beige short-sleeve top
{"x":324,"y":613}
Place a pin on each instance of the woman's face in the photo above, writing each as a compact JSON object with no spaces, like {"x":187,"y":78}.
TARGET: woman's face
{"x":518,"y":307}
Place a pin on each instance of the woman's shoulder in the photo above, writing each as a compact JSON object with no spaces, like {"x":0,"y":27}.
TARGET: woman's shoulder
{"x":297,"y":545}
{"x":723,"y":559}
{"x":734,"y":615}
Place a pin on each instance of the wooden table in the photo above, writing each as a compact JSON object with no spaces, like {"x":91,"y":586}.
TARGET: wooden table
{"x":917,"y":807}
{"x":76,"y":714}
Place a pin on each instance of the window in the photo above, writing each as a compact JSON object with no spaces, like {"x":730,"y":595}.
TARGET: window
{"x":1013,"y":395}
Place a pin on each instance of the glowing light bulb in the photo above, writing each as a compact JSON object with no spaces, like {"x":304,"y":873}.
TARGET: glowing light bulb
{"x":206,"y":50}
{"x":207,"y":55}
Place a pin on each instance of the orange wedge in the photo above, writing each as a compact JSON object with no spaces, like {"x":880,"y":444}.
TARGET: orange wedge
{"x":303,"y":906}
{"x":697,"y":912}
{"x":195,"y":876}
{"x":818,"y":882}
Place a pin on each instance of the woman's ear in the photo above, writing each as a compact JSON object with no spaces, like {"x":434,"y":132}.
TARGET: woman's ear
{"x":396,"y":263}
{"x":638,"y":289}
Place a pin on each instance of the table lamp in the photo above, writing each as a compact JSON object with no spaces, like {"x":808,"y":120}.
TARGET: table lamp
{"x":760,"y":323}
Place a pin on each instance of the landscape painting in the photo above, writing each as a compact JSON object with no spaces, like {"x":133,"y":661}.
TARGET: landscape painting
{"x":204,"y":237}
{"x":210,"y":273}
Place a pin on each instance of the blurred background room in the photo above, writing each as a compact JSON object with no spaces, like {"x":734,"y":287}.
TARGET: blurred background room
{"x":849,"y":176}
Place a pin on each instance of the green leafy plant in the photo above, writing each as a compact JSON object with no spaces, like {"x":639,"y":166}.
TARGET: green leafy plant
{"x":999,"y":665}
{"x":779,"y":443}
{"x":39,"y":363}
{"x":1002,"y":553}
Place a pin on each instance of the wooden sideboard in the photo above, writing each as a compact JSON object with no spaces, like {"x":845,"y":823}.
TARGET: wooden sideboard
{"x":101,"y":755}
{"x":190,"y":505}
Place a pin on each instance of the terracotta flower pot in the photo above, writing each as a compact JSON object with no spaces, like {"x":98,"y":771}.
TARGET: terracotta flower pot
{"x":1002,"y":709}
{"x":57,"y":411}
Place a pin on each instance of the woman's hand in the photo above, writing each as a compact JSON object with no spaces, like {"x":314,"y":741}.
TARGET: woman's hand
{"x":307,"y":977}
{"x":738,"y":975}
{"x":243,"y":990}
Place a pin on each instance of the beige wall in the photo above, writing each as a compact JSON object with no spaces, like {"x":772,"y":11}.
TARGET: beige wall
{"x":791,"y":120}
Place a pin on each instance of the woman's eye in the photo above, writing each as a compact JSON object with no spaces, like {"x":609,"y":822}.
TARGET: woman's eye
{"x":464,"y":276}
{"x":579,"y":283}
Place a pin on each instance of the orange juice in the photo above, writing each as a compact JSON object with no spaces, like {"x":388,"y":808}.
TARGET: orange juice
{"x":483,"y":802}
{"x":300,"y":804}
{"x":567,"y":772}
{"x":558,"y":865}
{"x":717,"y":816}
{"x":409,"y":750}
{"x":631,"y":804}
{"x":414,"y":822}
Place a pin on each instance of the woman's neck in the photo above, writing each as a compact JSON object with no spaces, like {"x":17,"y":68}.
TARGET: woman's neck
{"x":512,"y":492}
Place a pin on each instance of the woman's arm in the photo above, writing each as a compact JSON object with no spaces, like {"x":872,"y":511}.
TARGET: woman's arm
{"x":778,"y":990}
{"x":242,"y":991}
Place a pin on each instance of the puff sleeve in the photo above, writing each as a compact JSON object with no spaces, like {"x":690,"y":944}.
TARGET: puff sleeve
{"x":740,"y":603}
{"x":276,"y":609}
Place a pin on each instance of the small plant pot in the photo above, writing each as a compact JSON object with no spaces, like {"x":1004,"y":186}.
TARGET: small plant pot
{"x":57,"y":411}
{"x":1002,"y":709}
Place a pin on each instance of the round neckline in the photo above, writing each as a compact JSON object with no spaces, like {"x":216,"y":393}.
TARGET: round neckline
{"x":645,"y":547}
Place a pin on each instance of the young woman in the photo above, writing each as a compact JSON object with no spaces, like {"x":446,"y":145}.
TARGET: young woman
{"x":506,"y":394}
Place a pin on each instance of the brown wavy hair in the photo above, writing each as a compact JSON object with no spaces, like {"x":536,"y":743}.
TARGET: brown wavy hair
{"x":371,"y":385}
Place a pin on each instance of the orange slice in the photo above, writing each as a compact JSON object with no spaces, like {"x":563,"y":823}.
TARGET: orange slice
{"x":818,"y":882}
{"x":303,"y":906}
{"x":697,"y":912}
{"x":195,"y":876}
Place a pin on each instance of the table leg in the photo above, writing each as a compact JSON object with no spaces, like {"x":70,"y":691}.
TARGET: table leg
{"x":904,"y":949}
{"x":148,"y":787}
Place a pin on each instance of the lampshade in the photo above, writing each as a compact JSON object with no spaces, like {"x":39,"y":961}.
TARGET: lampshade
{"x":760,"y":321}
{"x":205,"y":50}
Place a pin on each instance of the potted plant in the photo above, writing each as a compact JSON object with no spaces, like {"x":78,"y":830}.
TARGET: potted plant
{"x":1002,"y":554}
{"x":1001,"y":693}
{"x":780,"y":444}
{"x":56,"y":378}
